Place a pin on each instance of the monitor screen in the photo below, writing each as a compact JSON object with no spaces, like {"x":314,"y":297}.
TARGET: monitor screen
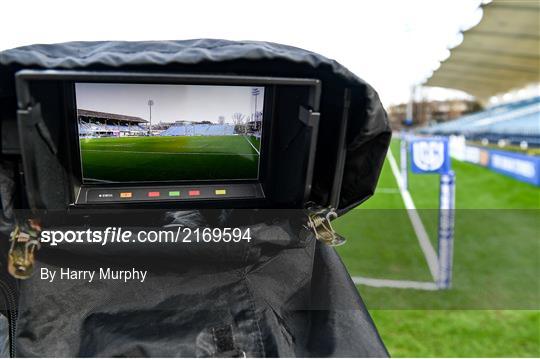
{"x":161,"y":132}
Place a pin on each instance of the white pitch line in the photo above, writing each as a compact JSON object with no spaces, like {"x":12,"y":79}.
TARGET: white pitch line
{"x":177,"y":153}
{"x":248,"y":141}
{"x":423,"y":238}
{"x":391,"y":283}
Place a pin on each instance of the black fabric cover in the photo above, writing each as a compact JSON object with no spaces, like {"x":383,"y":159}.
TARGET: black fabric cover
{"x":285,"y":294}
{"x":368,"y":134}
{"x":280,"y":296}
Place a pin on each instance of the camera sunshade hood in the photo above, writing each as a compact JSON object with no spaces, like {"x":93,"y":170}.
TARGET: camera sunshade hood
{"x":285,"y":295}
{"x":367,"y":134}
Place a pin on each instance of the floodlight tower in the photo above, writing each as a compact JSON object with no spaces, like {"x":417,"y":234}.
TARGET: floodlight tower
{"x":255,"y":92}
{"x":150,"y":104}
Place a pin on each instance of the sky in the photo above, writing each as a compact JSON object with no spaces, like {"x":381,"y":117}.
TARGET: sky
{"x":392,"y":44}
{"x":171,"y":102}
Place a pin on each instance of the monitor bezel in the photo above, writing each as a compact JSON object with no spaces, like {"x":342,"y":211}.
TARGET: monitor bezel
{"x":68,"y":78}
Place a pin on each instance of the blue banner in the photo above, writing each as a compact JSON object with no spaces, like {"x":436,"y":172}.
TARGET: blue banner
{"x":522,"y":167}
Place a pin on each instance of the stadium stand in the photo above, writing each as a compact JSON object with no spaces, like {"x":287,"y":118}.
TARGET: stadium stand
{"x":199,"y":130}
{"x":99,"y":124}
{"x":514,"y":122}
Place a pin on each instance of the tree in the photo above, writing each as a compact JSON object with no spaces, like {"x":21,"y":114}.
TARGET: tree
{"x":239,"y":120}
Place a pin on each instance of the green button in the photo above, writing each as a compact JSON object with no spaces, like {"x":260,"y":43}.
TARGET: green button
{"x":174,"y":193}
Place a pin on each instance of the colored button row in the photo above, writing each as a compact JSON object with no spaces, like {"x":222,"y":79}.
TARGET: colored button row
{"x":191,"y":193}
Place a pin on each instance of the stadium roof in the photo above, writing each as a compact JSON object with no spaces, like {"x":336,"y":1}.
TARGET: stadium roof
{"x":500,"y":54}
{"x":109,"y":116}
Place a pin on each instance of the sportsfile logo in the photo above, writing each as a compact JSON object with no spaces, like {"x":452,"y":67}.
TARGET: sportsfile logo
{"x":119,"y":235}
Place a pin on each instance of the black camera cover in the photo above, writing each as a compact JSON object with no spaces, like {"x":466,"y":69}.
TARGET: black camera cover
{"x":286,"y":294}
{"x":368,"y":133}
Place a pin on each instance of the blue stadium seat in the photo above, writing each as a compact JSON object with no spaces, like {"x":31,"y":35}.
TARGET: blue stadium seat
{"x":515,"y":121}
{"x":199,"y":130}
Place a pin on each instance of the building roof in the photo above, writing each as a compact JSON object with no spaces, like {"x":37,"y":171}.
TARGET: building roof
{"x":109,"y":116}
{"x":498,"y":55}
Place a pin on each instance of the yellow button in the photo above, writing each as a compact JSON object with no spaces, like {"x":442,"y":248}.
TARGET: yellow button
{"x":125,"y":194}
{"x":221,"y":191}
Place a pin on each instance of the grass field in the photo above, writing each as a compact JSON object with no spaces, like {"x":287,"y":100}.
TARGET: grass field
{"x":123,"y":159}
{"x":493,"y":307}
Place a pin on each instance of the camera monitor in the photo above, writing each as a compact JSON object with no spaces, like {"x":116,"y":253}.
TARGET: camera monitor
{"x":117,"y":139}
{"x":134,"y":133}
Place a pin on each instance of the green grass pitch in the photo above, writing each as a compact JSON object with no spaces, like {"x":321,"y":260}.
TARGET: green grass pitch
{"x":125,"y":159}
{"x":492,"y":309}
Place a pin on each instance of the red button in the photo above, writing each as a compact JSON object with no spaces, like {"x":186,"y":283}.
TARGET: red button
{"x":153,"y":194}
{"x":194,"y":192}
